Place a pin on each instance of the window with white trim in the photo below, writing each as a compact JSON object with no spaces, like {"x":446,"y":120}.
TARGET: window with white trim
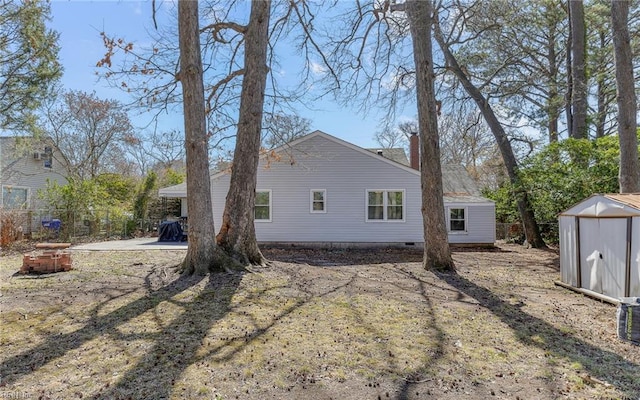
{"x":457,"y":220}
{"x":15,"y":197}
{"x":385,"y":205}
{"x":318,"y":200}
{"x":262,"y":208}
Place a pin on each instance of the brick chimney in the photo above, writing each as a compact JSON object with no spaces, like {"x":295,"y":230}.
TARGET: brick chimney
{"x":414,"y":151}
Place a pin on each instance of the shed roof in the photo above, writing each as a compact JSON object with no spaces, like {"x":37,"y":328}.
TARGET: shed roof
{"x":630,"y":199}
{"x":614,"y":205}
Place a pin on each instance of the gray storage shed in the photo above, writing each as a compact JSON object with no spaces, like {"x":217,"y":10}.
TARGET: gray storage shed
{"x":600,"y":245}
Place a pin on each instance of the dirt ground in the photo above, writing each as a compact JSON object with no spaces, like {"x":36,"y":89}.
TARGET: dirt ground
{"x":316,"y":324}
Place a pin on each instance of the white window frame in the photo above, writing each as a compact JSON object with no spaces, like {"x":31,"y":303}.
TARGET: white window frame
{"x":12,"y":187}
{"x":312,"y":201}
{"x":466,"y":220}
{"x":385,"y":205}
{"x":270,"y":205}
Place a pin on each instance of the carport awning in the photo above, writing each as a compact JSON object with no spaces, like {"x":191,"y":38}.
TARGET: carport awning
{"x":175,"y":191}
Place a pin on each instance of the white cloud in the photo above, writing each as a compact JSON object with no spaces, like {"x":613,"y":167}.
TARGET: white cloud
{"x":317,"y":69}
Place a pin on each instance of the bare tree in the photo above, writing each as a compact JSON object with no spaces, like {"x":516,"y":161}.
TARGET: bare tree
{"x":201,"y":252}
{"x":466,"y":140}
{"x":237,"y":234}
{"x":392,"y":137}
{"x":225,"y":42}
{"x":89,"y":133}
{"x":284,"y":128}
{"x":157,"y":150}
{"x":437,"y":254}
{"x":629,"y":175}
{"x":532,"y":231}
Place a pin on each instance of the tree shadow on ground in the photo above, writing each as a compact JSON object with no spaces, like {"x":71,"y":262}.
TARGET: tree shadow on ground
{"x":56,"y":346}
{"x":408,"y":385}
{"x":338,"y":257}
{"x":188,"y":341}
{"x":342,"y":257}
{"x":176,"y":344}
{"x":534,"y":331}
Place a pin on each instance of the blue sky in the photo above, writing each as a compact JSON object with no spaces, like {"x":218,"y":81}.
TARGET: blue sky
{"x":80,"y":23}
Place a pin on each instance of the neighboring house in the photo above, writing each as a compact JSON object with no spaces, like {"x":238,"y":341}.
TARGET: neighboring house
{"x":319,"y":189}
{"x":26,"y":164}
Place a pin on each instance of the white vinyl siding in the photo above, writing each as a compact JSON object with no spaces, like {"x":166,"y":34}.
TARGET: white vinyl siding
{"x":479,"y":223}
{"x":318,"y":200}
{"x":262,"y":208}
{"x":345,"y":173}
{"x":21,"y":169}
{"x":385,"y":205}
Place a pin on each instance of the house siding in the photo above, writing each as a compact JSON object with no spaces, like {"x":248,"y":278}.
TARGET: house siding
{"x":346,"y":174}
{"x":21,"y":170}
{"x":480,"y":223}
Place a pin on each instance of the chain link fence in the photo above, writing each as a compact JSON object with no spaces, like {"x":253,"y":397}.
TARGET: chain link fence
{"x":70,"y":225}
{"x":514,"y":232}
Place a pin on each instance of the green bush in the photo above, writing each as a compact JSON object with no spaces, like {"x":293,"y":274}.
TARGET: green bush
{"x":560,"y":176}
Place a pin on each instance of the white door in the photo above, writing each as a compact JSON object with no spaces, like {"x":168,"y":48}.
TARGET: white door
{"x":603,"y":252}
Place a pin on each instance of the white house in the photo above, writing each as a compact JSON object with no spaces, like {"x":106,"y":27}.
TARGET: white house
{"x":320,"y":189}
{"x":26,"y":163}
{"x":600,"y":245}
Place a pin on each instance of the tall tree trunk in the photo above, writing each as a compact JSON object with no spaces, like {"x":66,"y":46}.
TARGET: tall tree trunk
{"x":531,"y":229}
{"x":569,"y":65}
{"x":601,"y":113}
{"x":437,"y":254}
{"x":552,"y":102}
{"x":578,"y":70}
{"x":202,"y":247}
{"x":627,"y":125}
{"x":237,"y":236}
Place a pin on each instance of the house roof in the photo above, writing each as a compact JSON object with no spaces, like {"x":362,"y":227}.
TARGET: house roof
{"x":457,"y":185}
{"x":457,"y":182}
{"x":396,"y":154}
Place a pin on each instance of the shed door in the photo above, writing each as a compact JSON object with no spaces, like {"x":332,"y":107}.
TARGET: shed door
{"x":603,"y":252}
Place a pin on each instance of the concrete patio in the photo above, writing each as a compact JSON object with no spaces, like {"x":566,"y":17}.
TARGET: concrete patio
{"x":140,"y":244}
